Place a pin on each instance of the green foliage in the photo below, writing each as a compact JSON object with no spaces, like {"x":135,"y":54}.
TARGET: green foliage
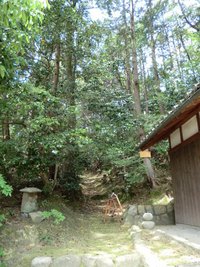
{"x":2,"y":219}
{"x":1,"y":254}
{"x":46,"y":239}
{"x":92,"y":90}
{"x":5,"y":189}
{"x":56,"y":215}
{"x":19,"y":21}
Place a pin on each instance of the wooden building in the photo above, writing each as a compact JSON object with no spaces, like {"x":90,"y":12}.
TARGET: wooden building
{"x":182,"y":128}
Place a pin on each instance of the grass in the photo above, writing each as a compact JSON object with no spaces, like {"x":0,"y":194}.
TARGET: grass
{"x":80,"y":233}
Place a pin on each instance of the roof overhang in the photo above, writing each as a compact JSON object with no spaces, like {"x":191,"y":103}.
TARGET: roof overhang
{"x":169,"y":124}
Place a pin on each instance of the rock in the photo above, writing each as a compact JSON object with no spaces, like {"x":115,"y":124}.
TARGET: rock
{"x":156,"y":219}
{"x":129,"y":220}
{"x":170,"y":207}
{"x":41,"y":262}
{"x":159,"y":209}
{"x":88,"y":261}
{"x":149,"y":209}
{"x":36,"y":217}
{"x":128,"y":261}
{"x":67,"y":261}
{"x":148,"y":225}
{"x":132,"y":210}
{"x":24,"y":215}
{"x":137,"y":219}
{"x":147,"y":217}
{"x":130,"y":214}
{"x":135,"y":229}
{"x":141,"y":209}
{"x":104,"y":261}
{"x":165,"y":220}
{"x":135,"y":234}
{"x":189,"y":265}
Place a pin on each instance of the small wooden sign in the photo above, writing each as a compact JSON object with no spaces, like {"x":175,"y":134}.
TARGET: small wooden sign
{"x":145,"y":154}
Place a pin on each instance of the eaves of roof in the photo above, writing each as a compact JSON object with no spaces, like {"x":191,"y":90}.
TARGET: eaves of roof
{"x":173,"y":118}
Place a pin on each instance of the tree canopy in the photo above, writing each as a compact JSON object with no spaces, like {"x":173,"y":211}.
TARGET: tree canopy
{"x":78,"y":93}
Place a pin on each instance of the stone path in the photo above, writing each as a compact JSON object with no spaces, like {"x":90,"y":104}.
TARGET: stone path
{"x":186,"y":234}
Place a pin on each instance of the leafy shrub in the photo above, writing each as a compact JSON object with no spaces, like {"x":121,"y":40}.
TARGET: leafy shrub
{"x":5,"y":189}
{"x":2,"y":219}
{"x":1,"y":253}
{"x":55,"y":214}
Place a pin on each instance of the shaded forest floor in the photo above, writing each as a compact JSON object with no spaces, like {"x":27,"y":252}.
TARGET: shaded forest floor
{"x":82,"y":232}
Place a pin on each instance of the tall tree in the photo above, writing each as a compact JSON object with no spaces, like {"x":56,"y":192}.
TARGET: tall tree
{"x":153,"y":55}
{"x":138,"y":109}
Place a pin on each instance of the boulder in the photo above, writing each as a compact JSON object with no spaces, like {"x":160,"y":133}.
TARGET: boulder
{"x":147,"y":216}
{"x":129,"y":260}
{"x":166,"y":220}
{"x":149,"y":208}
{"x":67,"y":261}
{"x":88,"y":261}
{"x":129,"y":218}
{"x":170,"y":207}
{"x":137,"y":219}
{"x":148,"y":225}
{"x":189,"y":265}
{"x":36,"y":217}
{"x":141,"y":209}
{"x":104,"y":261}
{"x":159,"y":209}
{"x":41,"y":262}
{"x":132,"y":210}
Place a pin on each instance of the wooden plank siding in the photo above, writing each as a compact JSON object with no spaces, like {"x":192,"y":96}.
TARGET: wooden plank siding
{"x":185,"y":169}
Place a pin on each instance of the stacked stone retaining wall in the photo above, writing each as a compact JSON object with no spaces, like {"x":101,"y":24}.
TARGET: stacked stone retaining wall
{"x":162,"y":214}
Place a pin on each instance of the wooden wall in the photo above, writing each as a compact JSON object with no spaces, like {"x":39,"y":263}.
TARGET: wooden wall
{"x":185,"y":169}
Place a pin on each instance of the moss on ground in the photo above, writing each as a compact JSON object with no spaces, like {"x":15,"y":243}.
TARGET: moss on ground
{"x":79,"y":233}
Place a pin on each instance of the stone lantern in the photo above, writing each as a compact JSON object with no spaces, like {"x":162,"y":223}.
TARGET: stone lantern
{"x":29,"y":199}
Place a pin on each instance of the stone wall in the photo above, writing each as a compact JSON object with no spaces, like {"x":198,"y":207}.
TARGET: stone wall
{"x":104,"y":260}
{"x":162,"y":214}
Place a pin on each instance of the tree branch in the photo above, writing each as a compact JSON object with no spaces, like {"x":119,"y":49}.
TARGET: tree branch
{"x":186,"y":19}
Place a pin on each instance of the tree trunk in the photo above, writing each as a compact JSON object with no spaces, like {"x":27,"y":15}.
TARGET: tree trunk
{"x":57,"y":68}
{"x":136,"y":91}
{"x":178,"y":63}
{"x":5,"y":129}
{"x":154,"y":61}
{"x":188,"y":56}
{"x":127,"y":52}
{"x":144,"y":82}
{"x":70,"y":177}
